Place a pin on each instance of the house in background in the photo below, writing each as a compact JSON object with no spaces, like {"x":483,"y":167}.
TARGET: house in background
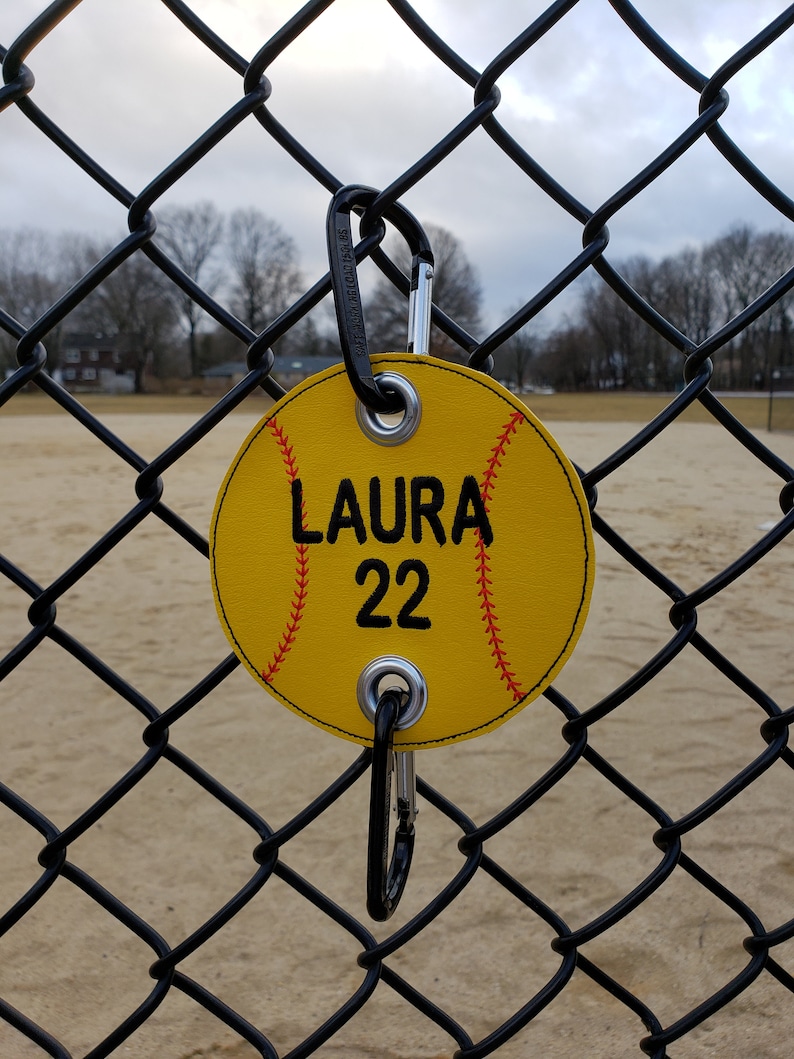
{"x":95,"y":362}
{"x":289,"y":371}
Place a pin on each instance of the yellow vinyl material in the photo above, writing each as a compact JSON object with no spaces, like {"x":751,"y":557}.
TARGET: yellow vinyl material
{"x":475,"y":532}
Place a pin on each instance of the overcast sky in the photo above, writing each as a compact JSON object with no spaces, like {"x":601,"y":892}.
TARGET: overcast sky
{"x":127,"y":81}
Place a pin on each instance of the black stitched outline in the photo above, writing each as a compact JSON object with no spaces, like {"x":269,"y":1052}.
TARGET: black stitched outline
{"x":539,"y":686}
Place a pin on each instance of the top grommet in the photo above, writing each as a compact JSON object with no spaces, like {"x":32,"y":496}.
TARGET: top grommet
{"x":376,"y":427}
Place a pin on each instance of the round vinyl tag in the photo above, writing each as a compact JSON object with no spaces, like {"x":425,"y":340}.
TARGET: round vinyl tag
{"x":465,"y":550}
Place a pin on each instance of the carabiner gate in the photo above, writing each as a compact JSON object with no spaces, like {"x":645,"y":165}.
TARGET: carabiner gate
{"x":398,"y":706}
{"x":386,"y":879}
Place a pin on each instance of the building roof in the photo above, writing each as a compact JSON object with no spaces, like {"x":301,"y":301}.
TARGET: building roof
{"x":284,"y":365}
{"x":225,"y":370}
{"x":95,"y":340}
{"x":307,"y":364}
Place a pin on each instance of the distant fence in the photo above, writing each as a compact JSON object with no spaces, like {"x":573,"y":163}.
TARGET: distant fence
{"x":781,"y":399}
{"x":137,"y":736}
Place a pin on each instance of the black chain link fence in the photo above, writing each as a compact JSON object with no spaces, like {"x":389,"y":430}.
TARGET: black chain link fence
{"x":259,"y":949}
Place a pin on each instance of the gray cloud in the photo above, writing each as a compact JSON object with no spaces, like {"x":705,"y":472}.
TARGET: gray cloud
{"x":134,"y":88}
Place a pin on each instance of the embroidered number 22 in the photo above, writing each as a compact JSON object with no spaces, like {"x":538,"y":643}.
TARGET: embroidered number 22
{"x":367,"y":618}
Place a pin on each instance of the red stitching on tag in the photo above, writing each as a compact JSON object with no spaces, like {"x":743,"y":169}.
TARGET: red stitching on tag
{"x":484,"y":582}
{"x":301,"y":562}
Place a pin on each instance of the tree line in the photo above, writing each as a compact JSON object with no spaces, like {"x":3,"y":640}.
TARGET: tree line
{"x":245,"y":260}
{"x":248,"y":262}
{"x":606,"y":345}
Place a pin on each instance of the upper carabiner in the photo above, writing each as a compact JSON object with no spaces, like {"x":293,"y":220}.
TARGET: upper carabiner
{"x":342,"y":261}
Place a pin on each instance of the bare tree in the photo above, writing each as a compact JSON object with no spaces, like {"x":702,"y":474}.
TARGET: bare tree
{"x":191,"y":235}
{"x":776,"y":323}
{"x":742,"y":264}
{"x":514,"y":358}
{"x":618,"y":340}
{"x":263,"y":258}
{"x":34,"y":273}
{"x":134,"y":303}
{"x":684,"y":294}
{"x":456,"y":290}
{"x":567,"y":360}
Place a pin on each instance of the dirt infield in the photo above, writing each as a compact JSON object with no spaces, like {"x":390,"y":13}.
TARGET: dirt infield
{"x":691,"y":502}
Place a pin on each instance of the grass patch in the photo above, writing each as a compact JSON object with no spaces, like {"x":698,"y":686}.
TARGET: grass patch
{"x":35,"y":403}
{"x":639,"y":408}
{"x":560,"y":407}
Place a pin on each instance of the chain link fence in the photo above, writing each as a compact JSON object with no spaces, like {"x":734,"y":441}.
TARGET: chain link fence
{"x":609,"y":874}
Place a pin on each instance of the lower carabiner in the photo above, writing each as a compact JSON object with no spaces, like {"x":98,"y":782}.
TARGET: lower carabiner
{"x":386,"y":878}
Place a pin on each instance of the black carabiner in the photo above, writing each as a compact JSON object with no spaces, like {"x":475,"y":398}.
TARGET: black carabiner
{"x":343,"y":256}
{"x":386,"y":880}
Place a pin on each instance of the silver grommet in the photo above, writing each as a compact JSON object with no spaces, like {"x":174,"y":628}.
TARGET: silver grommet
{"x":380,"y":674}
{"x":378,"y":428}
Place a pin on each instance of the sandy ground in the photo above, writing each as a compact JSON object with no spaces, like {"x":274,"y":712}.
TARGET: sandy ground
{"x":691,"y":503}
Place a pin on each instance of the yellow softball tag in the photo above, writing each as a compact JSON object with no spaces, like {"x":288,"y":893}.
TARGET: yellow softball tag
{"x":465,"y":549}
